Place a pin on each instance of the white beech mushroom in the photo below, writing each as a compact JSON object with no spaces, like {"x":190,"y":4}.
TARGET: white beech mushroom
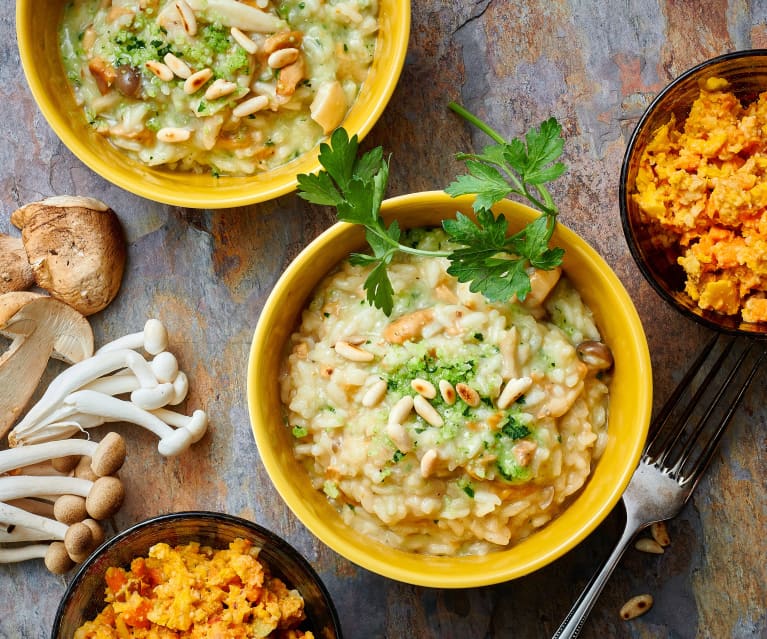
{"x":15,"y":271}
{"x":230,"y":13}
{"x":103,"y":497}
{"x":76,"y":248}
{"x":41,"y":328}
{"x":107,"y":456}
{"x":153,"y":339}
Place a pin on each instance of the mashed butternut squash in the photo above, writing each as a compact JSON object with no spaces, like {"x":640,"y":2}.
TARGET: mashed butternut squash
{"x":704,"y":189}
{"x":193,"y":591}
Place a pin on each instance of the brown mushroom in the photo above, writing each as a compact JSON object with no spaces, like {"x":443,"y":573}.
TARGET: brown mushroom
{"x":15,"y":271}
{"x":40,"y":327}
{"x":76,"y":248}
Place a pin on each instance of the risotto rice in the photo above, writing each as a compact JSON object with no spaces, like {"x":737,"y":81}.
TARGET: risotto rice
{"x":456,"y":426}
{"x":217,"y":85}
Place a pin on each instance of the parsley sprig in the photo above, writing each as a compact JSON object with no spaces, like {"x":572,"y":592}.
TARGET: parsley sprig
{"x":494,"y":263}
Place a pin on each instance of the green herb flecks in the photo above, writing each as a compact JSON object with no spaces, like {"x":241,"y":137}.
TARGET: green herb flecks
{"x":493,"y":262}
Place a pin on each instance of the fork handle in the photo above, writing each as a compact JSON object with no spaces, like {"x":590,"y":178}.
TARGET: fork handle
{"x":573,"y":622}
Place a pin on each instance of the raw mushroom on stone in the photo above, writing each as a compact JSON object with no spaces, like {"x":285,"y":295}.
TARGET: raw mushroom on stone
{"x":40,"y":327}
{"x":15,"y":271}
{"x":76,"y":249}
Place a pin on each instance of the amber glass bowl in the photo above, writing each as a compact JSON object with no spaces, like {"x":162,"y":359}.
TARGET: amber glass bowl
{"x":37,"y":34}
{"x":746,"y":71}
{"x":84,"y":596}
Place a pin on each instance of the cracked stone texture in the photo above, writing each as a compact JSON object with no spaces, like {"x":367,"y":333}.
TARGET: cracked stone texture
{"x":595,"y":67}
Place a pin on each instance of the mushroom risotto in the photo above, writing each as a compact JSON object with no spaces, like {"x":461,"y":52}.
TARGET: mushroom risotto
{"x":217,"y":85}
{"x":456,"y":426}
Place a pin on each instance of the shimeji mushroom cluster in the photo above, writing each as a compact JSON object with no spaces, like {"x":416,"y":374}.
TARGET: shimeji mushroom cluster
{"x":55,"y":488}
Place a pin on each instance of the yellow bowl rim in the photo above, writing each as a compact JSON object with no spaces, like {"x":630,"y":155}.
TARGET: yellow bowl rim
{"x":493,"y":572}
{"x":173,"y":195}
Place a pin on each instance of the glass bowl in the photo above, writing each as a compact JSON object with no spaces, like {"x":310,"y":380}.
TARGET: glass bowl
{"x":746,"y":71}
{"x":84,"y":597}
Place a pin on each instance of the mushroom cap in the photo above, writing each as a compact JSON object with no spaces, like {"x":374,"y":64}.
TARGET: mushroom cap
{"x":109,"y":456}
{"x":105,"y":497}
{"x":69,"y":509}
{"x":96,"y":531}
{"x":15,"y":272}
{"x":76,"y":248}
{"x":57,"y":559}
{"x":78,"y":540}
{"x":23,"y":312}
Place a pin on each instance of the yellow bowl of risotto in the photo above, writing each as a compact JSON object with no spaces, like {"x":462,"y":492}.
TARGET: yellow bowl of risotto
{"x":209,"y":103}
{"x":456,"y":442}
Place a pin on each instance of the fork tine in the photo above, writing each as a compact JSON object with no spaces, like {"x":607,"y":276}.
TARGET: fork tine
{"x":694,"y":473}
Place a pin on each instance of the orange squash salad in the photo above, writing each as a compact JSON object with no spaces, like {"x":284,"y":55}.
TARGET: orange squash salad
{"x":703,"y":187}
{"x":196,"y":592}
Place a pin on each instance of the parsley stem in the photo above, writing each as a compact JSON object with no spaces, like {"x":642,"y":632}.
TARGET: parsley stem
{"x":473,"y":119}
{"x":384,"y":236}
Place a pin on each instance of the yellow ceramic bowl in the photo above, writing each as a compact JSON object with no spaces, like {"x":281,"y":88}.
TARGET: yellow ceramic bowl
{"x":36,"y":32}
{"x":630,"y":404}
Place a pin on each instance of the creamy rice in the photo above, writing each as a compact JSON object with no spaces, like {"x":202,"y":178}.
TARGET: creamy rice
{"x":476,"y":478}
{"x":268,"y":79}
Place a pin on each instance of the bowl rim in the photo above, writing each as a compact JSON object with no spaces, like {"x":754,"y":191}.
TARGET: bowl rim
{"x":212,"y":198}
{"x":190,"y":515}
{"x":441,"y":578}
{"x":624,"y":195}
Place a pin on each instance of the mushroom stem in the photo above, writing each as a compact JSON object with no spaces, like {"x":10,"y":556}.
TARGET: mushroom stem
{"x":57,"y":559}
{"x":18,"y":534}
{"x":110,"y":451}
{"x":153,"y":339}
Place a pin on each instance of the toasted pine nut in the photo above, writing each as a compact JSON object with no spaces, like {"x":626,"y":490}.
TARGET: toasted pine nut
{"x":160,"y":70}
{"x":524,"y":451}
{"x":219,"y":89}
{"x":401,"y":410}
{"x":645,"y":544}
{"x":353,"y":353}
{"x":424,"y":387}
{"x":447,"y":391}
{"x":177,"y":66}
{"x":250,"y":106}
{"x":636,"y":606}
{"x":429,"y":462}
{"x":244,"y":41}
{"x":513,"y":390}
{"x":467,"y":394}
{"x":374,"y":394}
{"x":187,"y":17}
{"x":196,"y":81}
{"x":173,"y":134}
{"x":508,"y":346}
{"x":399,"y":436}
{"x":356,"y":340}
{"x":282,"y":57}
{"x":659,"y":533}
{"x":427,"y":411}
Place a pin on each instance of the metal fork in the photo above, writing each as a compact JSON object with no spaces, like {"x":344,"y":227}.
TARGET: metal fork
{"x":681,"y":443}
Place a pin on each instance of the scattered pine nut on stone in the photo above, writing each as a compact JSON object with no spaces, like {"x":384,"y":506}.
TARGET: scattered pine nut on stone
{"x":659,"y":533}
{"x":636,"y":606}
{"x":646,"y":544}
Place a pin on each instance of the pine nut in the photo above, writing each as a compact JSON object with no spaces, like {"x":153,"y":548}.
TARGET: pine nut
{"x":244,"y":41}
{"x":399,"y":436}
{"x":374,"y":394}
{"x":160,"y":70}
{"x":513,"y":390}
{"x":177,"y":66}
{"x":660,"y":534}
{"x":645,"y":544}
{"x":429,"y":462}
{"x":447,"y":391}
{"x":173,"y":134}
{"x":282,"y":57}
{"x":636,"y":606}
{"x":427,"y":411}
{"x":424,"y":388}
{"x":401,"y":410}
{"x":353,"y":353}
{"x":250,"y":106}
{"x":219,"y":89}
{"x":187,"y":17}
{"x":196,"y":81}
{"x":467,"y":394}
